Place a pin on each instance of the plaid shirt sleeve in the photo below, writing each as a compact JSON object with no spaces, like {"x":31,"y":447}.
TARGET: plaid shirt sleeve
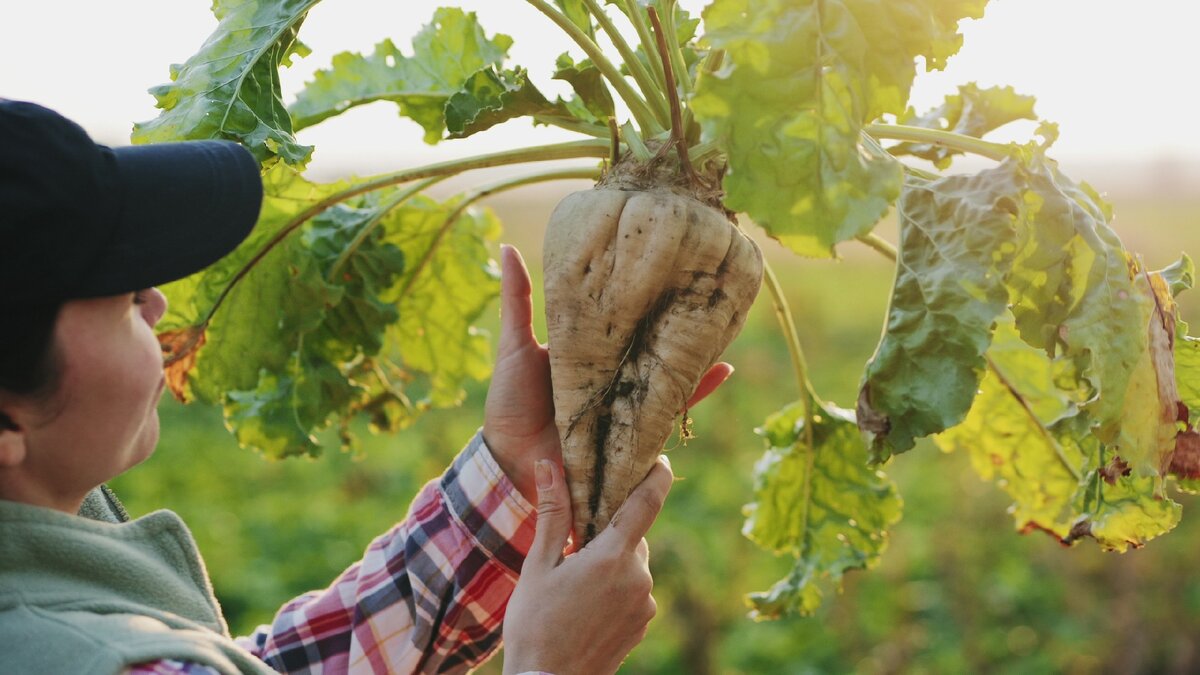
{"x":428,"y":596}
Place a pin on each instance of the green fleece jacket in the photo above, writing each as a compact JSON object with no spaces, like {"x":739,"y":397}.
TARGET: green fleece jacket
{"x":78,"y":595}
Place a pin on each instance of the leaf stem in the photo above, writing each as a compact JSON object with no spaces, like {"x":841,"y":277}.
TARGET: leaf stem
{"x":574,"y":150}
{"x":371,"y":224}
{"x":783,"y":313}
{"x":634,"y":140}
{"x":594,"y":130}
{"x":646,"y":82}
{"x":901,"y":132}
{"x":634,"y":11}
{"x":637,"y":106}
{"x":1045,"y":433}
{"x":681,"y":71}
{"x":481,"y":193}
{"x":880,"y":244}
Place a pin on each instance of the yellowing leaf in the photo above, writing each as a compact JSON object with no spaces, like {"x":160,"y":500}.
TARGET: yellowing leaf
{"x":819,"y":503}
{"x":1033,"y":437}
{"x":1012,"y":437}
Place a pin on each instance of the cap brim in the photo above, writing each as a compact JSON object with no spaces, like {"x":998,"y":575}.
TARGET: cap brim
{"x":183,"y":207}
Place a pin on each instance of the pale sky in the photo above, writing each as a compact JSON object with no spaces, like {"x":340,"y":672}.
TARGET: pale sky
{"x":1120,"y":77}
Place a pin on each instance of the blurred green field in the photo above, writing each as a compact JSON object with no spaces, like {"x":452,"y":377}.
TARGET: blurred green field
{"x":958,"y":591}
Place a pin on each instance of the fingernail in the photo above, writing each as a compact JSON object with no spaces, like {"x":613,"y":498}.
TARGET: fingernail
{"x":543,"y":474}
{"x":666,"y":460}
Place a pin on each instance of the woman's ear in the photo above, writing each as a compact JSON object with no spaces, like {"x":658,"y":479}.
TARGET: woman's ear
{"x":12,"y":442}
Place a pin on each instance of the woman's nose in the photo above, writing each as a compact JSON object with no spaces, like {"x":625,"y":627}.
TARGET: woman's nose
{"x":154,"y":306}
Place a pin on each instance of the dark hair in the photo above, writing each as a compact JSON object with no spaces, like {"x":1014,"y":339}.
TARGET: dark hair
{"x":27,"y":363}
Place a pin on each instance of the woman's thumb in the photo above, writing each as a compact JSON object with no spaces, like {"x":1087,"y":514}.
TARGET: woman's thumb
{"x":554,"y":517}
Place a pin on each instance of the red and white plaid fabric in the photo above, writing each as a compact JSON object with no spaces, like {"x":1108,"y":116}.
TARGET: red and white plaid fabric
{"x":427,"y":597}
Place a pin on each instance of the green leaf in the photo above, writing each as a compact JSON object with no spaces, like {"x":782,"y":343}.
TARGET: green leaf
{"x":971,"y":112}
{"x":1029,"y":434}
{"x":242,"y":339}
{"x":450,"y":280}
{"x":592,"y":101}
{"x":957,"y":243}
{"x":230,"y":88}
{"x":1180,"y":276}
{"x":800,"y":80}
{"x":490,"y":97}
{"x":446,"y":52}
{"x":390,"y":336}
{"x":790,"y":127}
{"x":822,"y":504}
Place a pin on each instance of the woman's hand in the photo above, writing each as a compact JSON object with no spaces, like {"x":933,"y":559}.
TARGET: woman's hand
{"x":585,"y":613}
{"x":518,"y":418}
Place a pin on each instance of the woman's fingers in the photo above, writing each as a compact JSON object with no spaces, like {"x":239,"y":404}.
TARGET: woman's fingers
{"x":709,"y":382}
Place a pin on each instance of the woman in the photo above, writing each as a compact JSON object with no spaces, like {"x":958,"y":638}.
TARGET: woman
{"x":86,"y":233}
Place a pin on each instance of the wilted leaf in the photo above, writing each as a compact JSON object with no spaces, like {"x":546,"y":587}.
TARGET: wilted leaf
{"x":179,"y":349}
{"x":1120,"y":515}
{"x":230,"y":88}
{"x":1028,"y":432}
{"x":1146,"y":435}
{"x":821,"y":504}
{"x":1072,"y":290}
{"x":957,"y":241}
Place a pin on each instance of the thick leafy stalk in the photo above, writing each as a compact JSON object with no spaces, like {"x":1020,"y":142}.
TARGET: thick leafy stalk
{"x":637,"y":106}
{"x":649,"y":86}
{"x":900,"y":132}
{"x":634,"y":11}
{"x":681,"y":71}
{"x":572,"y":150}
{"x":484,"y":192}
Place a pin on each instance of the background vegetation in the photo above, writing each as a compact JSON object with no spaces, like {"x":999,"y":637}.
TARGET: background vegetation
{"x":958,"y":590}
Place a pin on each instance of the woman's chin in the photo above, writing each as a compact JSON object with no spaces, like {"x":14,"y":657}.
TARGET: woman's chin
{"x":147,"y":442}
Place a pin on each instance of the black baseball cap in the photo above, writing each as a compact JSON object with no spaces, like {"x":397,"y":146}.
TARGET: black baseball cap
{"x":82,"y":220}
